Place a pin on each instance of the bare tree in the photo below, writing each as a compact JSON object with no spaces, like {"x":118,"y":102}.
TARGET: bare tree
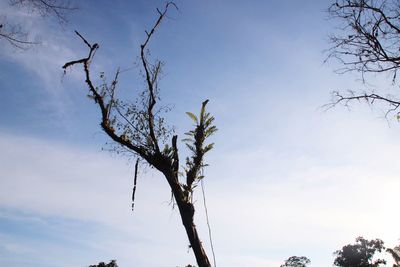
{"x":139,"y":128}
{"x":368,"y":41}
{"x":16,"y":35}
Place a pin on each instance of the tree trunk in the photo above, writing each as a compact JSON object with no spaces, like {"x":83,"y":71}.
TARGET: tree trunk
{"x":186,"y":210}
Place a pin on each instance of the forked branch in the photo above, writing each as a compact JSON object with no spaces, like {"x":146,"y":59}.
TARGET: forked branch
{"x":99,"y":99}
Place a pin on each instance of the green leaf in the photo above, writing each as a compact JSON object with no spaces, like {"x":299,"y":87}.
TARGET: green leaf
{"x":208,"y":147}
{"x":210,"y":131}
{"x":191,"y":133}
{"x":203,"y":110}
{"x":193,"y":117}
{"x":191,"y":148}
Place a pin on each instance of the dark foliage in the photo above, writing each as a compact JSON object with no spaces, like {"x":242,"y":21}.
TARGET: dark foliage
{"x":360,"y":254}
{"x":296,"y":261}
{"x":112,"y":263}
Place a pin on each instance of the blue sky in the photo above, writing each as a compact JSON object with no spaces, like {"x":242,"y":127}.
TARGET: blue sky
{"x":285,"y":178}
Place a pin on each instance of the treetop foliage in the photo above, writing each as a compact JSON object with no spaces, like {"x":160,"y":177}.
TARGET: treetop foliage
{"x":360,"y":254}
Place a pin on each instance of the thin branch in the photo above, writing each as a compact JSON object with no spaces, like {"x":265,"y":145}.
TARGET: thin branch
{"x":367,"y":42}
{"x":83,"y":39}
{"x":338,"y":98}
{"x":15,"y":36}
{"x":151,"y":77}
{"x":99,"y":100}
{"x":47,"y":7}
{"x":370,"y":38}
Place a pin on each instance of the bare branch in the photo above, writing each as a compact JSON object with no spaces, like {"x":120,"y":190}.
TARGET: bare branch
{"x":151,"y":75}
{"x":100,"y":101}
{"x":338,"y":98}
{"x":16,"y":36}
{"x":368,"y":41}
{"x":370,"y":35}
{"x":56,"y":8}
{"x":83,"y":39}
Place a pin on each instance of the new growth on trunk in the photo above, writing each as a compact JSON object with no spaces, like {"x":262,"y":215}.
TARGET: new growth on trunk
{"x":139,"y":128}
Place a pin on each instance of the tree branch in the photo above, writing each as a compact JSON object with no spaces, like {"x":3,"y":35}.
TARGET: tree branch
{"x":151,"y":76}
{"x":369,"y":39}
{"x":99,"y":100}
{"x":338,"y":98}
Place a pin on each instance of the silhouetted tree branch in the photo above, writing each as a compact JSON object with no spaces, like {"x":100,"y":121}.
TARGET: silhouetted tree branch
{"x":16,"y":35}
{"x":367,"y":42}
{"x":55,"y":8}
{"x":139,"y":128}
{"x":395,"y":253}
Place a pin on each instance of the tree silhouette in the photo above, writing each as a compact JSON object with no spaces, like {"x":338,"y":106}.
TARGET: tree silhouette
{"x":367,"y":42}
{"x":360,"y":254}
{"x":112,"y":263}
{"x":139,"y":128}
{"x":296,"y":261}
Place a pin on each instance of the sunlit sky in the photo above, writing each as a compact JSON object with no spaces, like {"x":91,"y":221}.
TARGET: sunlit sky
{"x":286,"y":177}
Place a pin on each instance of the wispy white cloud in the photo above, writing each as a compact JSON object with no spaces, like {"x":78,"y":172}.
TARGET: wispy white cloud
{"x":52,"y":180}
{"x":17,"y":248}
{"x":267,"y":206}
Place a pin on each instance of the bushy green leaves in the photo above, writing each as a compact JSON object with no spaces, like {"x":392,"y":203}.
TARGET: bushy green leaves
{"x":203,"y":129}
{"x":195,"y":142}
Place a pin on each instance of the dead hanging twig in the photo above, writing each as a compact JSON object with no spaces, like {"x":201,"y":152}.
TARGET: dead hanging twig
{"x":134,"y":183}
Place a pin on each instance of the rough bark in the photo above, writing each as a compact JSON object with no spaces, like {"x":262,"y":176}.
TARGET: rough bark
{"x":186,"y":210}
